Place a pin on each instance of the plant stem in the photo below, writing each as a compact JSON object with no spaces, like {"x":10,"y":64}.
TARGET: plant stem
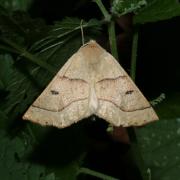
{"x":132,"y":131}
{"x":112,"y":39}
{"x":107,"y":16}
{"x":111,"y":28}
{"x":82,"y":31}
{"x":134,"y":55}
{"x":96,"y":174}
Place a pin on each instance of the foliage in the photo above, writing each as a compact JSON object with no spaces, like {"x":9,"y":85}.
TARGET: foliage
{"x":31,"y":52}
{"x":121,"y":7}
{"x":147,"y":10}
{"x":157,"y":10}
{"x":14,"y":163}
{"x":160,"y":142}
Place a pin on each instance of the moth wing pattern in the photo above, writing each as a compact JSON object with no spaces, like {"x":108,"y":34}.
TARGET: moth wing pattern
{"x":65,"y":99}
{"x":91,"y":82}
{"x":120,"y":101}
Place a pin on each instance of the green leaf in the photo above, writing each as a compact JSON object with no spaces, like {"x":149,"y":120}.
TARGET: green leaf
{"x":60,"y":150}
{"x":14,"y":163}
{"x":147,"y":10}
{"x":157,"y":10}
{"x":6,"y":62}
{"x":159,"y":142}
{"x":3,"y":120}
{"x":121,"y":7}
{"x":21,"y":159}
{"x":66,"y":29}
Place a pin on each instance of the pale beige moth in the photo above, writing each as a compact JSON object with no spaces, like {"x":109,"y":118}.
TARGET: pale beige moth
{"x":91,"y":82}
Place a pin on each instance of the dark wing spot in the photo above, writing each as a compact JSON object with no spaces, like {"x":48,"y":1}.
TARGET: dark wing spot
{"x":129,"y":92}
{"x":54,"y":92}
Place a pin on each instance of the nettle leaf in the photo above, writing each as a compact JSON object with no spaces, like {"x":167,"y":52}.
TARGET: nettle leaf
{"x":147,"y":10}
{"x":66,"y":29}
{"x":75,"y":23}
{"x":14,"y":163}
{"x":121,"y":7}
{"x":157,"y":10}
{"x":159,"y":142}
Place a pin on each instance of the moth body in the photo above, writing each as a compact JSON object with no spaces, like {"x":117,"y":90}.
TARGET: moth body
{"x":93,"y":101}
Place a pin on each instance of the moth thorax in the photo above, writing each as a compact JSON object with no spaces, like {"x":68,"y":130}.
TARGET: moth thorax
{"x":93,"y":101}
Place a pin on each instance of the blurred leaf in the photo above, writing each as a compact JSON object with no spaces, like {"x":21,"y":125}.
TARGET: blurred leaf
{"x":2,"y":86}
{"x":6,"y":62}
{"x":159,"y":142}
{"x":60,"y":150}
{"x":157,"y":10}
{"x":169,"y":108}
{"x":21,"y":28}
{"x":3,"y":120}
{"x":22,"y":159}
{"x":14,"y":5}
{"x":121,"y":7}
{"x":14,"y":162}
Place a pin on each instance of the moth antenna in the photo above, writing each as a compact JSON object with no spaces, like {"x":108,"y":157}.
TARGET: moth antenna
{"x":82,"y":31}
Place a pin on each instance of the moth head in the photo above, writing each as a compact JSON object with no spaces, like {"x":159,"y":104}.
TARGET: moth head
{"x":92,"y":50}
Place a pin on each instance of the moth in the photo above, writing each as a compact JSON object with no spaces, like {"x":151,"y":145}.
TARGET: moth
{"x":91,"y":82}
